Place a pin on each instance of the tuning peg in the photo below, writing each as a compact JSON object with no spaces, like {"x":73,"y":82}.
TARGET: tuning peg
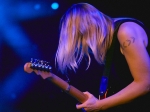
{"x":40,"y":65}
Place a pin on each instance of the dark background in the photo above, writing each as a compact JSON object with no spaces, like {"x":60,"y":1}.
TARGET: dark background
{"x":30,"y":28}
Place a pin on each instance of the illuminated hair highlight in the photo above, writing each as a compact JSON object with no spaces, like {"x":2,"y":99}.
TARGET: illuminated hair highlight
{"x":83,"y":27}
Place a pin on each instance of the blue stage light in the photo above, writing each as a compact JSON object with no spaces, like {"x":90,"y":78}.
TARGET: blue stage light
{"x":37,"y":6}
{"x":54,"y":5}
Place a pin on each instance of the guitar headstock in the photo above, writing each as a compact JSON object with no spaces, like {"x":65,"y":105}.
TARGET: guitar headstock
{"x":41,"y":65}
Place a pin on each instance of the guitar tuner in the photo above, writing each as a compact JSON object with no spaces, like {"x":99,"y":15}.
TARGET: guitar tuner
{"x":40,"y":65}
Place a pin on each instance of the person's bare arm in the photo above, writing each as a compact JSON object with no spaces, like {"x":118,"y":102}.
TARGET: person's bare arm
{"x":133,"y":41}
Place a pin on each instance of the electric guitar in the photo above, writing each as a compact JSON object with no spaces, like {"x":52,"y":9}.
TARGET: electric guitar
{"x":43,"y":69}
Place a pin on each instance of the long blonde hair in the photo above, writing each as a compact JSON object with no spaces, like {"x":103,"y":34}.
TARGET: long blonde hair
{"x":83,"y":27}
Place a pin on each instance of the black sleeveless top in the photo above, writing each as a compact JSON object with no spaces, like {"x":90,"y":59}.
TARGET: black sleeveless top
{"x":120,"y":76}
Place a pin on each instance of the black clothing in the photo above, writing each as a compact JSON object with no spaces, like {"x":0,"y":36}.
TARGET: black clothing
{"x":89,"y":80}
{"x":120,"y":76}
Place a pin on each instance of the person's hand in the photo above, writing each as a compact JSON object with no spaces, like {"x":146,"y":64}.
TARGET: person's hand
{"x":90,"y":105}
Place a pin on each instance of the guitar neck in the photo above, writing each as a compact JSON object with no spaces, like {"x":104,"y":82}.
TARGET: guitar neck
{"x":69,"y":89}
{"x":74,"y":92}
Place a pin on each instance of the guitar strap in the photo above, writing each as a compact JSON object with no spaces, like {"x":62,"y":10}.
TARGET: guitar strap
{"x":109,"y":57}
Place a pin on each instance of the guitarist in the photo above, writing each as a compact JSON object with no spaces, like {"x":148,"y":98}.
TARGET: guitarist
{"x":85,"y":29}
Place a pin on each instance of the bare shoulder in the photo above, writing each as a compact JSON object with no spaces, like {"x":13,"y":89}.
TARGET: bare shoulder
{"x":133,"y":41}
{"x":131,"y":31}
